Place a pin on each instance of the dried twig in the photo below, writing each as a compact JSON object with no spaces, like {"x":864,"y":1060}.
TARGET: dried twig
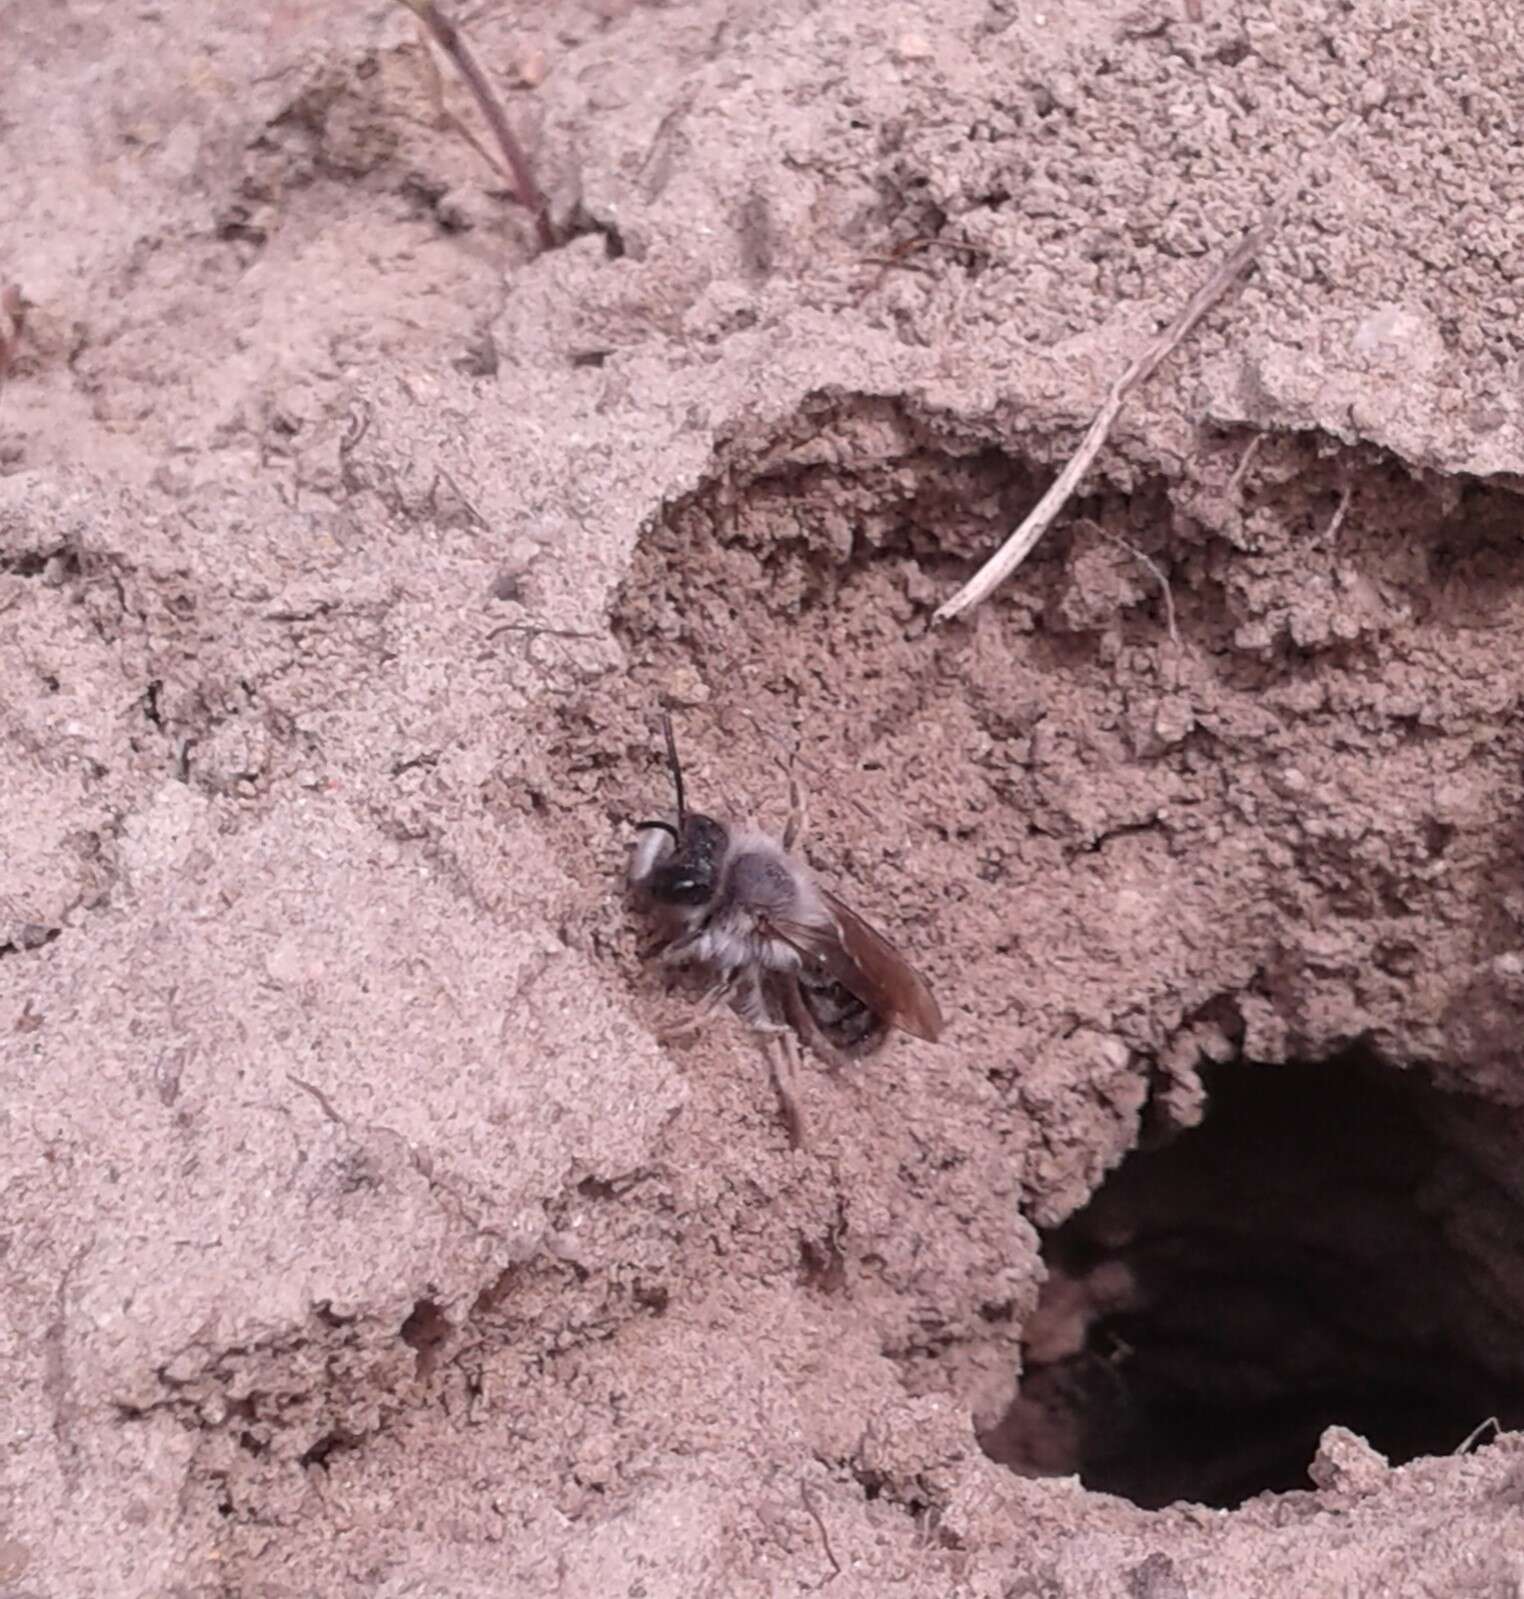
{"x":1473,"y":1437}
{"x":900,"y":257}
{"x":536,"y":630}
{"x":819,"y":1520}
{"x":1245,"y":461}
{"x":323,"y":1100}
{"x":449,"y":39}
{"x":1016,"y":548}
{"x":901,"y":253}
{"x":1159,"y":577}
{"x":1340,"y":512}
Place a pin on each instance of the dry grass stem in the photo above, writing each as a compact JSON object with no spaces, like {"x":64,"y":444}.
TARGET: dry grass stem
{"x":1020,"y":544}
{"x":434,"y":87}
{"x":449,"y":39}
{"x":1472,"y":1438}
{"x":537,"y":630}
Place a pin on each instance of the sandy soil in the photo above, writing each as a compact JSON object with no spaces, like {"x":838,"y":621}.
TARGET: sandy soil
{"x":359,"y":1235}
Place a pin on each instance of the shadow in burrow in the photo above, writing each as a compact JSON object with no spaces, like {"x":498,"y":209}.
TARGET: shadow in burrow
{"x":1328,"y":1247}
{"x":785,"y":604}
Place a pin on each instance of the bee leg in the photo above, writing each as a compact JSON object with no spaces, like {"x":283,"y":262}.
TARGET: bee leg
{"x":717,"y":997}
{"x":784,"y":1053}
{"x":808,"y":1030}
{"x":679,"y":950}
{"x":756,"y":1004}
{"x":798,"y":811}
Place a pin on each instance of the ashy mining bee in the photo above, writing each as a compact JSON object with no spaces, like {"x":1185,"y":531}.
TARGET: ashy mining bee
{"x":784,"y":953}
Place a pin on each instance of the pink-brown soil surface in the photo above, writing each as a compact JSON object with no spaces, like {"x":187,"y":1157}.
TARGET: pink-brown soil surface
{"x":360,"y":1235}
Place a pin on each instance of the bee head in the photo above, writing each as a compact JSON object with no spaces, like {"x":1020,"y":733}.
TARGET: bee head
{"x":686,"y":872}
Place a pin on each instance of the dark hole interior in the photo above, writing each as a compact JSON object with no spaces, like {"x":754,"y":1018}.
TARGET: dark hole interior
{"x":1330,"y":1245}
{"x":425,"y":1330}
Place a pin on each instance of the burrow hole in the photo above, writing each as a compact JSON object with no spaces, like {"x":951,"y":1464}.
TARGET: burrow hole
{"x":1330,"y":1246}
{"x":426,"y":1331}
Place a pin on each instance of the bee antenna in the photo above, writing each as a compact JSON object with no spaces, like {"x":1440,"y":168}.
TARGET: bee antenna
{"x":677,"y":770}
{"x":666,"y":827}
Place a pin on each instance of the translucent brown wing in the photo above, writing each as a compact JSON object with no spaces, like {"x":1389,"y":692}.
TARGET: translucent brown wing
{"x":850,"y":952}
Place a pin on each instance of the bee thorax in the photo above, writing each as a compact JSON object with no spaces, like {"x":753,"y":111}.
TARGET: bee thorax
{"x":761,"y":881}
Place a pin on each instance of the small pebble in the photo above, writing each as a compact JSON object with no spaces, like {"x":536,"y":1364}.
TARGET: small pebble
{"x":530,"y":69}
{"x":683,"y":686}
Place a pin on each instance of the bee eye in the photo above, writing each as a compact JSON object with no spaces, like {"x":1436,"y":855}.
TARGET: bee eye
{"x":682,"y":886}
{"x":688,"y":890}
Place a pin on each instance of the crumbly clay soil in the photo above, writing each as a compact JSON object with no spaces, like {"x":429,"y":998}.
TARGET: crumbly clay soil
{"x":360,"y":1236}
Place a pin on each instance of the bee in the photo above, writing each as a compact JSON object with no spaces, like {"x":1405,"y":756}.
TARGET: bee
{"x":789,"y":957}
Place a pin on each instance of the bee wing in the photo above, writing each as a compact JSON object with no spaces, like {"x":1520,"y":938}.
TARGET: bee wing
{"x":847,"y":950}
